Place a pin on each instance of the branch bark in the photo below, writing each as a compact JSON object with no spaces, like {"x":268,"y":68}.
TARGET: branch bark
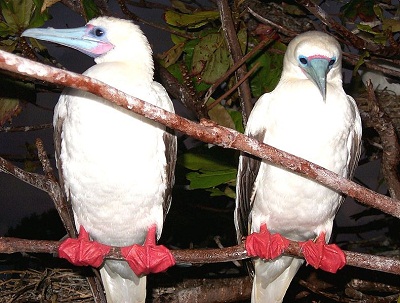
{"x":234,"y":48}
{"x":356,"y":41}
{"x":10,"y":245}
{"x":387,"y":132}
{"x":206,"y":131}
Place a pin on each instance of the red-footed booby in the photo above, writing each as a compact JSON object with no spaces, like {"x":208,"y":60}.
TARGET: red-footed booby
{"x":309,"y":115}
{"x":116,"y":167}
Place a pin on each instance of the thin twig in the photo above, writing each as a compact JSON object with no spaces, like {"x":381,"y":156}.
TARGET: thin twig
{"x":233,"y":88}
{"x":237,"y":64}
{"x":11,"y":129}
{"x":355,"y":40}
{"x":280,"y":28}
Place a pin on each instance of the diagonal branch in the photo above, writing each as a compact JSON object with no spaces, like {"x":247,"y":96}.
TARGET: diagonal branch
{"x":356,"y":41}
{"x":206,"y":131}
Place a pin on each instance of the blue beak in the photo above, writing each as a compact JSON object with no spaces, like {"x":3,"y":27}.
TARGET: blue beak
{"x":317,"y":71}
{"x":80,"y":38}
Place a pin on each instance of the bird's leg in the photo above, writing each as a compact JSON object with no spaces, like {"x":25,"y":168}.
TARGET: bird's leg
{"x":82,"y":251}
{"x":328,"y":257}
{"x":149,"y":257}
{"x":265,"y":245}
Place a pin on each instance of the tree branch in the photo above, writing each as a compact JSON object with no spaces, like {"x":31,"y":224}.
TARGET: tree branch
{"x":387,"y":132}
{"x":234,"y":48}
{"x":206,"y":131}
{"x":10,"y":245}
{"x":355,"y":40}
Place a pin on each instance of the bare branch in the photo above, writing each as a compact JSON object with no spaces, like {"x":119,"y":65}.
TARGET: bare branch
{"x":237,"y":64}
{"x":387,"y":132}
{"x":206,"y":131}
{"x":234,"y":48}
{"x":355,"y":40}
{"x":203,"y":256}
{"x":11,"y":129}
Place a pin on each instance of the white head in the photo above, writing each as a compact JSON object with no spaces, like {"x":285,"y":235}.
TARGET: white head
{"x":315,"y":56}
{"x":106,"y":39}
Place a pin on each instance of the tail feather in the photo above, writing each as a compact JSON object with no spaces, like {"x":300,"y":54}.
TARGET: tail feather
{"x":121,"y":284}
{"x":272,"y":279}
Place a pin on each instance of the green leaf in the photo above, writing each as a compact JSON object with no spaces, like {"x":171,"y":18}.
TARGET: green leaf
{"x":172,"y":55}
{"x":216,"y":192}
{"x":175,"y":71}
{"x":12,"y":95}
{"x":237,"y":120}
{"x":209,"y":179}
{"x":91,"y":9}
{"x":364,"y":9}
{"x":191,"y":21}
{"x":203,"y":162}
{"x":8,"y":109}
{"x":220,"y":115}
{"x":210,"y":58}
{"x":189,"y":51}
{"x":20,"y":14}
{"x":392,"y":24}
{"x":268,"y":74}
{"x":8,"y":45}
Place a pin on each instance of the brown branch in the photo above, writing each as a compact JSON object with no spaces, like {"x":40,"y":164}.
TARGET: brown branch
{"x":237,"y":64}
{"x":205,"y":291}
{"x":233,"y":88}
{"x":288,"y":32}
{"x":203,"y":256}
{"x":11,"y":129}
{"x":180,"y":92}
{"x":206,"y":131}
{"x":236,"y":52}
{"x":353,"y":59}
{"x":355,"y":40}
{"x":391,"y":149}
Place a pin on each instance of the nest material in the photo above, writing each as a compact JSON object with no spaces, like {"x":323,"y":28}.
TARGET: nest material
{"x":388,"y":101}
{"x":50,"y":285}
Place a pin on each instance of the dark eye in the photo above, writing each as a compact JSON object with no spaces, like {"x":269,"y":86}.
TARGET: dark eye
{"x":98,"y":32}
{"x":303,"y":60}
{"x":332,"y":62}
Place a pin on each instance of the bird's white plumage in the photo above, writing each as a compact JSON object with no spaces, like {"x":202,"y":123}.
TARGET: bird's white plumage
{"x":116,"y":165}
{"x":296,"y":118}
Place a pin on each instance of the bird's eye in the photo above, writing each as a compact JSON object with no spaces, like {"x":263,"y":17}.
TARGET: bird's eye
{"x":333,"y":60}
{"x":303,"y":60}
{"x":98,"y":32}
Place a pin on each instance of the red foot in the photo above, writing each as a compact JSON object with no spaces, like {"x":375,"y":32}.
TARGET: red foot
{"x":264,"y":245}
{"x":328,"y":257}
{"x":82,"y":251}
{"x":149,"y":258}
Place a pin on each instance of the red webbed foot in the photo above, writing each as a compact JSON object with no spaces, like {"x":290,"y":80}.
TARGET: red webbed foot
{"x":328,"y":257}
{"x":82,"y":251}
{"x":149,"y":257}
{"x":265,"y":245}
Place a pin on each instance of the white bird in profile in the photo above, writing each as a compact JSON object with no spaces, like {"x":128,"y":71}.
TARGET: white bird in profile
{"x":117,"y":168}
{"x":308,"y":115}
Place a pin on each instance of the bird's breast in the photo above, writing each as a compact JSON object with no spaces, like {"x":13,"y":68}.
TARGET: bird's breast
{"x":113,"y":163}
{"x":318,"y":132}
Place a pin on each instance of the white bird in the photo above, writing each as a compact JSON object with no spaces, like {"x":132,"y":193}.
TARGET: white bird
{"x":380,"y":81}
{"x":309,"y":115}
{"x":116,"y":166}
